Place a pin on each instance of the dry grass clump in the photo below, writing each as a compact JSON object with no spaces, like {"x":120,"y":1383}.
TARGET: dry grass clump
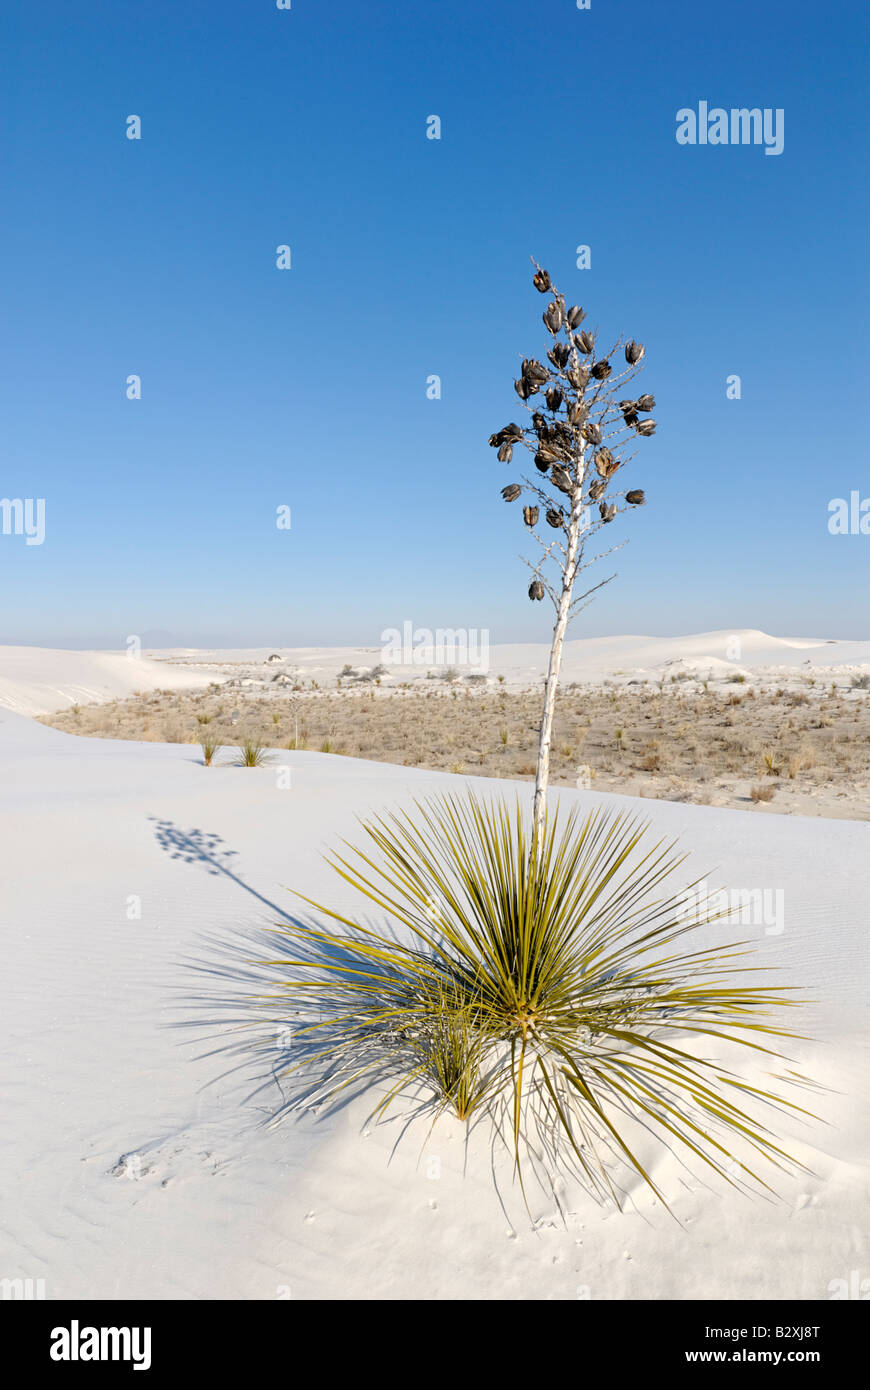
{"x":762,"y":793}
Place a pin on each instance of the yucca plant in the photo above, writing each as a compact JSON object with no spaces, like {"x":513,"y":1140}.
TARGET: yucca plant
{"x":537,"y":978}
{"x":210,"y":749}
{"x":252,"y":753}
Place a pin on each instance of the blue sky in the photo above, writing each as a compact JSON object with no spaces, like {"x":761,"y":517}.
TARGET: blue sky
{"x":307,"y":387}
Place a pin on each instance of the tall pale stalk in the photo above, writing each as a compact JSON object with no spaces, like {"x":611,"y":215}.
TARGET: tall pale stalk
{"x":578,"y":412}
{"x":542,"y":772}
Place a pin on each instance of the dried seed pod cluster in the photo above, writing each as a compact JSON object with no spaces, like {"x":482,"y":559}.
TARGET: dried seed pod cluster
{"x":578,"y":445}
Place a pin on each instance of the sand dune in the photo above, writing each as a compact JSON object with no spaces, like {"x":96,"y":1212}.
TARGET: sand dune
{"x":133,"y":1158}
{"x":35,"y":680}
{"x":40,"y":680}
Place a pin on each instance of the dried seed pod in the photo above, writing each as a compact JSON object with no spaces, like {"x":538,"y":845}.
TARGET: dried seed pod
{"x":607,"y":511}
{"x":576,"y":413}
{"x":585,"y":342}
{"x":559,"y":354}
{"x":511,"y":492}
{"x":645,"y":403}
{"x":554,"y":397}
{"x":604,"y":464}
{"x":530,"y":516}
{"x":505,"y":453}
{"x":601,"y":371}
{"x":496,"y":440}
{"x":541,"y":281}
{"x":578,"y":377}
{"x":561,"y":479}
{"x":630,"y":417}
{"x":534,"y":371}
{"x":646,"y":427}
{"x":539,"y":421}
{"x":633,"y":353}
{"x":536,"y":589}
{"x":542,"y":463}
{"x":575,"y":315}
{"x":555,"y":519}
{"x":552,"y":317}
{"x":591,"y":432}
{"x":524,"y":388}
{"x":636,"y":497}
{"x":596,"y":490}
{"x":628,"y":407}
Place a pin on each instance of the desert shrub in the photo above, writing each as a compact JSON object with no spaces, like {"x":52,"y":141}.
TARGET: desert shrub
{"x":252,"y":754}
{"x":861,"y":682}
{"x":366,"y":677}
{"x":536,"y":981}
{"x":210,"y":749}
{"x":772,"y":763}
{"x":763,"y":793}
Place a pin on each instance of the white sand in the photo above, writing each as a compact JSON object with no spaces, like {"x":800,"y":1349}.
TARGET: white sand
{"x":133,"y":1163}
{"x":38,"y":681}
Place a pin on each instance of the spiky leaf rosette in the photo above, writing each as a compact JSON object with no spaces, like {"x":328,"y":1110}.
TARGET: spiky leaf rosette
{"x":539,"y":980}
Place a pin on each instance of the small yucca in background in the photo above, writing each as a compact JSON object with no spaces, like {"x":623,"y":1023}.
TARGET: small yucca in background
{"x":252,"y":754}
{"x":538,"y":980}
{"x":210,"y":749}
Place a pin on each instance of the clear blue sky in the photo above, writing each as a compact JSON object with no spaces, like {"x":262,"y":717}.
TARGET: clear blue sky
{"x":307,"y":387}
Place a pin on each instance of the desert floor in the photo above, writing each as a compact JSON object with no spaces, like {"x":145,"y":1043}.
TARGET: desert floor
{"x":139,"y":893}
{"x":792,"y":739}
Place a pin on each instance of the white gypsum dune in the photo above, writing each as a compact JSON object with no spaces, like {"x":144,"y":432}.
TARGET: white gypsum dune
{"x":134,"y":1158}
{"x":35,"y":680}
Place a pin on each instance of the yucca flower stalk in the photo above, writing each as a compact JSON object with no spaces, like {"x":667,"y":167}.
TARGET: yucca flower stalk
{"x":539,"y":978}
{"x":582,"y":411}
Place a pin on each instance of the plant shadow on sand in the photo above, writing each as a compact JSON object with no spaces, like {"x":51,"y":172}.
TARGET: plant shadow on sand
{"x":266,"y":1047}
{"x":283,"y":1020}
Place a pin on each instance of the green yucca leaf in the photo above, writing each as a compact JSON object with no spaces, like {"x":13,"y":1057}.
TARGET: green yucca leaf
{"x":541,"y":981}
